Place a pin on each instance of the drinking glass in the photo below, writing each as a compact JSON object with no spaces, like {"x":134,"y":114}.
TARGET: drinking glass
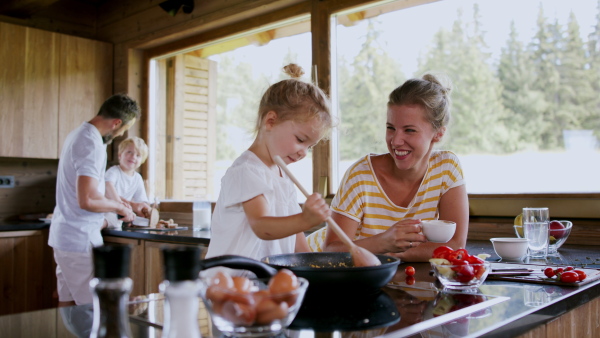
{"x":201,"y":215}
{"x":535,"y":228}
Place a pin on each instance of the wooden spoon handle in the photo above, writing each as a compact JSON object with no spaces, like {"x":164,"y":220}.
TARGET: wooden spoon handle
{"x":334,"y":226}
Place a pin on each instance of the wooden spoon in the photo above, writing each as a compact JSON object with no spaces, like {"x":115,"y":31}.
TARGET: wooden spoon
{"x":360,"y":255}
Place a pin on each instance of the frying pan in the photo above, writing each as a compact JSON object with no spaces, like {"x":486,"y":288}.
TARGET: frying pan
{"x":331,"y":271}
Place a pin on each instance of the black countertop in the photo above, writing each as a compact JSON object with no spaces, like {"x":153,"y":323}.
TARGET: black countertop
{"x":495,"y":309}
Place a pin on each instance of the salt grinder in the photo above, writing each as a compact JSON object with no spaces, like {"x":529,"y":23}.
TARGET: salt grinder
{"x":111,"y":287}
{"x":181,"y":288}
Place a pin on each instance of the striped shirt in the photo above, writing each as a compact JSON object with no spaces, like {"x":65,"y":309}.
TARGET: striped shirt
{"x":361,"y":198}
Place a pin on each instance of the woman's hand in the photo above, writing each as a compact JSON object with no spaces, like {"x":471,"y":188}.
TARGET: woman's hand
{"x":315,"y":210}
{"x":402,"y":236}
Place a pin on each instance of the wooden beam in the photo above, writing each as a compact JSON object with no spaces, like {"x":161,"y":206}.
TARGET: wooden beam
{"x":227,"y":31}
{"x":321,"y":58}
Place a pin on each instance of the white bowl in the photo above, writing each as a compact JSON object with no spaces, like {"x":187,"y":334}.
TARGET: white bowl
{"x":510,"y":248}
{"x":438,"y":231}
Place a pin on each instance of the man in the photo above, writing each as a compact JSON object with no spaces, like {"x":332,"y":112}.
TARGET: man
{"x":80,"y":197}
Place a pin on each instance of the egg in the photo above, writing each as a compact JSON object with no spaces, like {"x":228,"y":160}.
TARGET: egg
{"x":267,"y":311}
{"x":242,"y":284}
{"x":284,"y":281}
{"x":223,"y":280}
{"x":238,"y":314}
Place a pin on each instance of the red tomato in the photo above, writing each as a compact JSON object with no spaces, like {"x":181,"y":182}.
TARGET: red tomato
{"x":569,"y":277}
{"x":410,"y":280}
{"x":569,"y":268}
{"x":458,"y":255}
{"x":559,"y":270}
{"x":442,"y":252}
{"x":477,"y":264}
{"x":549,"y":272}
{"x":464,"y":271}
{"x":581,"y":274}
{"x":409,"y":271}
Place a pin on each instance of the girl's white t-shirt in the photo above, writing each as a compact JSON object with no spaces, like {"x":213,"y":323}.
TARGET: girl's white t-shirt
{"x":247,"y":178}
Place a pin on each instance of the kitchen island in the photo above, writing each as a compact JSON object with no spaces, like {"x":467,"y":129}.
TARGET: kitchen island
{"x":498,"y":308}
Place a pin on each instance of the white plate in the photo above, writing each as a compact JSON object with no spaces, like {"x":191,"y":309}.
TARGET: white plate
{"x":46,"y":220}
{"x":140,"y":222}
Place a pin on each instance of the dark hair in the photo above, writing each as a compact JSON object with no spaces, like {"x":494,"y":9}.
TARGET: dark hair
{"x":120,"y":106}
{"x":428,"y":92}
{"x":293,"y":99}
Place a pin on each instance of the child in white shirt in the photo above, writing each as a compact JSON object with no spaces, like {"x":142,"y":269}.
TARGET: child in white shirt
{"x":124,"y":183}
{"x":257,"y":213}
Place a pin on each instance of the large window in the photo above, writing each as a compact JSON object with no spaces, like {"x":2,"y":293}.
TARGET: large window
{"x":205,"y":106}
{"x":526,"y":77}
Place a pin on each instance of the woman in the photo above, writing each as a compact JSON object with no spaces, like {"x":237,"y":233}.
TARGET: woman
{"x":383,"y":198}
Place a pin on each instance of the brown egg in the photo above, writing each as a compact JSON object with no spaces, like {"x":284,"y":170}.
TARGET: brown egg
{"x":238,"y":314}
{"x":267,"y":311}
{"x":223,"y":280}
{"x":284,"y":281}
{"x":242,"y":284}
{"x":216,"y":293}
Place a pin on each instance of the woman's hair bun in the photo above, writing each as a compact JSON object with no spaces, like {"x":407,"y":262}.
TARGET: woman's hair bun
{"x":293,"y":70}
{"x":441,"y":80}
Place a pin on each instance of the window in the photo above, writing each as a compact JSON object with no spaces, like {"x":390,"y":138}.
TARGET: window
{"x":205,"y":105}
{"x":526,"y":78}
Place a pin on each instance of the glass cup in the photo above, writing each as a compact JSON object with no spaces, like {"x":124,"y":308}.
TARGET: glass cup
{"x":535,"y":228}
{"x":201,"y":215}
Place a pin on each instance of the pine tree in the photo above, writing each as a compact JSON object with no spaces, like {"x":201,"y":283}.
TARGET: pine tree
{"x":525,"y":103}
{"x":364,"y":89}
{"x":478,"y":114}
{"x":576,"y":90}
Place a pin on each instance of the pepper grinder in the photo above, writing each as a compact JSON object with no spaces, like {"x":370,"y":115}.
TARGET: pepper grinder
{"x":111,"y":287}
{"x":181,"y":288}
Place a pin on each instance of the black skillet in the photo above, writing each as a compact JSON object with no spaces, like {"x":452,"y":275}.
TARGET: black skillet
{"x":329,"y":271}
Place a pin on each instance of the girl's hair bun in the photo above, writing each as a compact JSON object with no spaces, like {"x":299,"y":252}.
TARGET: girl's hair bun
{"x":293,"y":70}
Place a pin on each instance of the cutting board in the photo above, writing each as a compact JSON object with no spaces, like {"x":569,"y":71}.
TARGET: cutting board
{"x":538,"y":276}
{"x":154,"y":229}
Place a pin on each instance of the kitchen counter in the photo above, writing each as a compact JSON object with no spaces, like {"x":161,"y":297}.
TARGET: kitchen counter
{"x":173,"y":236}
{"x":496,"y":309}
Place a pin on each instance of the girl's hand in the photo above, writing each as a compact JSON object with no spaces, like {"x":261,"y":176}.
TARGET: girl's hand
{"x":403,"y":236}
{"x":315,"y":210}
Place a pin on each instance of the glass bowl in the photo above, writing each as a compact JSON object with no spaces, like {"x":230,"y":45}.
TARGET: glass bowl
{"x":557,"y":236}
{"x":252,"y":314}
{"x":459,"y":277}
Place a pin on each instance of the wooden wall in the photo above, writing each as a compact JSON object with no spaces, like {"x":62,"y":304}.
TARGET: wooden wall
{"x":35,"y":187}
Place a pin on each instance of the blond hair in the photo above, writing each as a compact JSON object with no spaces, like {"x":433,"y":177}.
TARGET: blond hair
{"x":139,"y":145}
{"x":295,"y":100}
{"x":430,"y":93}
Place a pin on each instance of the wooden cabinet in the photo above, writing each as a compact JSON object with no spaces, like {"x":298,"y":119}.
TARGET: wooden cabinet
{"x":147,"y":268}
{"x":49,"y":84}
{"x":137,"y":269}
{"x":27,"y":271}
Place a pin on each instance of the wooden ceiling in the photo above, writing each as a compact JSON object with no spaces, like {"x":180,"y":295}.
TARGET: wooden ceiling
{"x":23,"y":9}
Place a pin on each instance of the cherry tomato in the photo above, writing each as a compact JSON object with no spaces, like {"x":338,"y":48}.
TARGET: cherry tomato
{"x":558,"y":271}
{"x":569,"y":277}
{"x":549,"y":272}
{"x":569,"y":268}
{"x":581,"y":274}
{"x":442,"y":252}
{"x":464,"y":271}
{"x":477,"y":264}
{"x":409,"y":271}
{"x":458,"y":255}
{"x":410,"y":280}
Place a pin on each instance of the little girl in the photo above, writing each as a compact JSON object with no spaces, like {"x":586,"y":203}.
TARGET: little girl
{"x":124,"y":183}
{"x":257,"y":213}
